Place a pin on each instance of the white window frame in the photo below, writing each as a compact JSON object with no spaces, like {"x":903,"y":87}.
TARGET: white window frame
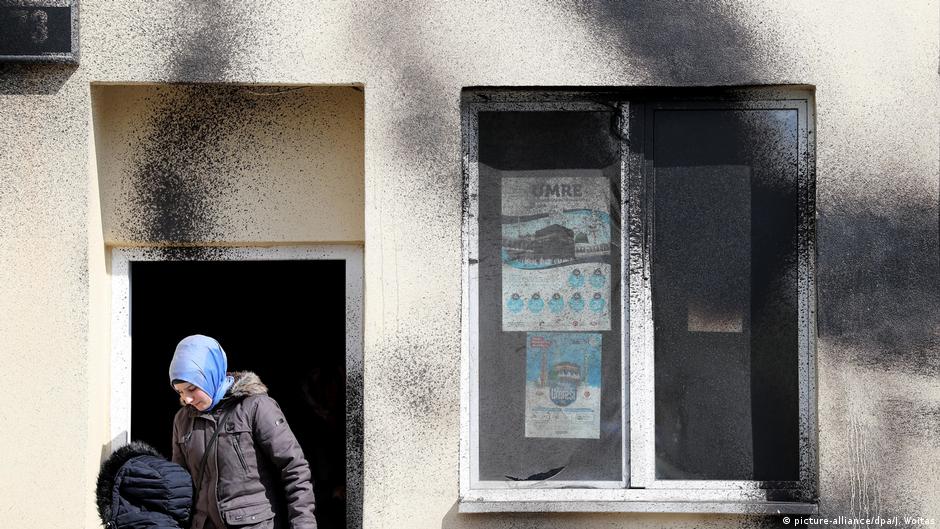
{"x":643,"y":492}
{"x":120,"y":406}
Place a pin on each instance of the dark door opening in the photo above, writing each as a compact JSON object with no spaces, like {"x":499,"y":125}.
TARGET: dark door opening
{"x":283,"y":320}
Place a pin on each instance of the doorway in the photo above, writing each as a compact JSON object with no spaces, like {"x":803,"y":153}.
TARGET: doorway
{"x":285,"y":318}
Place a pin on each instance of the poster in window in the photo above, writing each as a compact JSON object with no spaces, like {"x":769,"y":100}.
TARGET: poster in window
{"x":563,"y":385}
{"x":556,"y":252}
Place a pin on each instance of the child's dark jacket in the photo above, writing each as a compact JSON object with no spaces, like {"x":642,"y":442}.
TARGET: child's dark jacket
{"x":140,"y":489}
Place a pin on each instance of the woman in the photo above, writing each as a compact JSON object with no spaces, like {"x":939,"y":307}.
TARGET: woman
{"x":248,"y":469}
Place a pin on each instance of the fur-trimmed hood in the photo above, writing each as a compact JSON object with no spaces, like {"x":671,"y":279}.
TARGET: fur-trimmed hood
{"x":246,"y":384}
{"x":109,"y":470}
{"x":138,"y":487}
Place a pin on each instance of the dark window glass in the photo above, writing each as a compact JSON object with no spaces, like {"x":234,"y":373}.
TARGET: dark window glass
{"x":549,"y":296}
{"x":724,"y":272}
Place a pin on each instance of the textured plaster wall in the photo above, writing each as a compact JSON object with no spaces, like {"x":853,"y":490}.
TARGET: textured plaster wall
{"x":249,"y":164}
{"x":43,"y":299}
{"x":874,"y":66}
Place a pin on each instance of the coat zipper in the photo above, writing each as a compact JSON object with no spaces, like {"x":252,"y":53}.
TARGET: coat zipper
{"x":238,"y":451}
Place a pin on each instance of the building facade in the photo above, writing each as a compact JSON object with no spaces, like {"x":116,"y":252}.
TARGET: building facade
{"x":200,"y":131}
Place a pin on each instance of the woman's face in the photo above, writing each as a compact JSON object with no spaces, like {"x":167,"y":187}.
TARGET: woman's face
{"x":193,"y":396}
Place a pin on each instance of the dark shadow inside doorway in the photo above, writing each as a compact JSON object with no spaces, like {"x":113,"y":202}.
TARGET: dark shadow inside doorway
{"x":283,"y":320}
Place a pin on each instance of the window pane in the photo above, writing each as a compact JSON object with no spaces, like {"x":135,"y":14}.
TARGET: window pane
{"x":724,"y":269}
{"x":549,"y":297}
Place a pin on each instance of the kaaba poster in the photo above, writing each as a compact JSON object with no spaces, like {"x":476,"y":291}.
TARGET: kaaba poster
{"x":563,"y":385}
{"x":556,"y":252}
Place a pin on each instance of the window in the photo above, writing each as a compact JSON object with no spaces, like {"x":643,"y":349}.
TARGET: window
{"x":638,"y":302}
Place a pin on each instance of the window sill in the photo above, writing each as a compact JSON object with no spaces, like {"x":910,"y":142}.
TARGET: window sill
{"x":702,"y":507}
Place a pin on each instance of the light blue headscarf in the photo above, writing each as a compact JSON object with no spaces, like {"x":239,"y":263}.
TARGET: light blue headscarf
{"x":201,"y":361}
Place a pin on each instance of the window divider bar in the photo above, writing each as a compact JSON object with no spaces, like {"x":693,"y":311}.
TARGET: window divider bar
{"x":625,"y":385}
{"x":642,"y":423}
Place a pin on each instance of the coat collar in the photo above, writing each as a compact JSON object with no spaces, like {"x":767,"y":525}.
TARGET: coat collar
{"x":246,"y":384}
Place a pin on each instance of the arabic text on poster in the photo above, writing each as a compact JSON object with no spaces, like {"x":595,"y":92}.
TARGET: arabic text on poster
{"x":563,"y":385}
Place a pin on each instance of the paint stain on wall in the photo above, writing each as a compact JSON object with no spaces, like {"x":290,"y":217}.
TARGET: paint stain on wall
{"x":179,"y":185}
{"x":414,"y":379}
{"x":230,"y":164}
{"x":864,"y":483}
{"x":879,"y":287}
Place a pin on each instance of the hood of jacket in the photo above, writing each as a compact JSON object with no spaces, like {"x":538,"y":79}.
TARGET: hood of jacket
{"x":109,"y":470}
{"x":246,"y":384}
{"x":137,"y":487}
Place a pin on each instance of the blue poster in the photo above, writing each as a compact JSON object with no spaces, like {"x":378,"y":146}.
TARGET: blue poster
{"x":555,"y":252}
{"x":563,"y":385}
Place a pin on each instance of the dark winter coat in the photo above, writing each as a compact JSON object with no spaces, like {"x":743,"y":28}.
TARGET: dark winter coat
{"x":256,"y":476}
{"x":138,"y":488}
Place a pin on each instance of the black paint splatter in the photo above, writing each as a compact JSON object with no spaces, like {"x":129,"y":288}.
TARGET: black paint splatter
{"x":180,"y":178}
{"x":879,"y":286}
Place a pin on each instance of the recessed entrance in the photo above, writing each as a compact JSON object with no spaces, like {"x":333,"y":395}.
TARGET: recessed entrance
{"x":284,"y":319}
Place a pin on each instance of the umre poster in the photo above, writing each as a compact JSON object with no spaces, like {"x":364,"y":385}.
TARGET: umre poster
{"x":563,"y":385}
{"x":556,"y":252}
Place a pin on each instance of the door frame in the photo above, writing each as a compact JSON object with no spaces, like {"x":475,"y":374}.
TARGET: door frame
{"x":352,"y":255}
